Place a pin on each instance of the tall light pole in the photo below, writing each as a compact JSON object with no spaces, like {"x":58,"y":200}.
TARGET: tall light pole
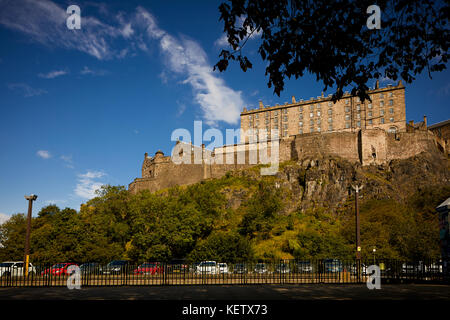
{"x":358,"y":236}
{"x":26,"y":259}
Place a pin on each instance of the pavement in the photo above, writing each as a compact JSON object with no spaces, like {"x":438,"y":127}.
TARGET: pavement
{"x":318,"y":292}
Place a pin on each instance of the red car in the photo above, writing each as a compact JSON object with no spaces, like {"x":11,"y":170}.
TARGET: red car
{"x":58,"y":269}
{"x":149,"y":268}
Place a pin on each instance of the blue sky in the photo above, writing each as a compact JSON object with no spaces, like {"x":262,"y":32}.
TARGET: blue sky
{"x":79,"y":108}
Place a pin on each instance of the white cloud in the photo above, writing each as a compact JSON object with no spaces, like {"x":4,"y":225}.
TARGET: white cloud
{"x":68,"y":161}
{"x":44,"y":154}
{"x":45,"y":22}
{"x":87,"y":71}
{"x":222,"y":41}
{"x":185,"y":57}
{"x":87,"y":185}
{"x":52,"y":74}
{"x":26,"y":90}
{"x":4,"y":217}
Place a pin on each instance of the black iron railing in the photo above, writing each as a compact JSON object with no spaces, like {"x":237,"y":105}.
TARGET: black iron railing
{"x":221,"y":273}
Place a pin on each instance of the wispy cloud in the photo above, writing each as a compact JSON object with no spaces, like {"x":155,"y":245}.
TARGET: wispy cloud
{"x":52,"y":74}
{"x":44,"y":154}
{"x":4,"y":217}
{"x":185,"y":57}
{"x":88,"y":183}
{"x":68,"y":161}
{"x":88,"y":71}
{"x":25,"y":90}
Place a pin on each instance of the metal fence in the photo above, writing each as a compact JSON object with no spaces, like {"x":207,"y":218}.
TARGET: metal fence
{"x":211,"y":272}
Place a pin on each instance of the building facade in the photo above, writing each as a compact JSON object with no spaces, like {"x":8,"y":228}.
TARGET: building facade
{"x":386,"y":111}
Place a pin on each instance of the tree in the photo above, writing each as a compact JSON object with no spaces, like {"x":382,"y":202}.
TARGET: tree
{"x":331,"y":40}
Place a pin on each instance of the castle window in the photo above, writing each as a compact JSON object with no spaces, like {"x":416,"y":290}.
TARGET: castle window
{"x":330,"y":111}
{"x":276,"y":127}
{"x":347,"y":101}
{"x":300,"y":109}
{"x":381,"y":96}
{"x":370,"y":121}
{"x":330,"y":128}
{"x":257,"y":122}
{"x":391,"y":110}
{"x":318,"y":106}
{"x":250,"y":117}
{"x":285,"y":118}
{"x":267,"y":121}
{"x":318,"y":113}
{"x":370,"y":113}
{"x":311,"y":114}
{"x":318,"y":121}
{"x":285,"y":133}
{"x":330,"y":103}
{"x":311,"y":122}
{"x":358,"y":124}
{"x":285,"y":111}
{"x":381,"y":103}
{"x":266,"y":114}
{"x":330,"y":120}
{"x":381,"y":112}
{"x":347,"y":109}
{"x":300,"y":131}
{"x":347,"y":125}
{"x":347,"y":117}
{"x":391,"y":102}
{"x":390,"y":94}
{"x":358,"y":116}
{"x":358,"y":99}
{"x":285,"y":126}
{"x":256,"y":116}
{"x":358,"y":107}
{"x":300,"y":115}
{"x":318,"y":129}
{"x":391,"y":119}
{"x":300,"y":123}
{"x":382,"y":120}
{"x":369,"y":106}
{"x":276,"y":113}
{"x":311,"y":107}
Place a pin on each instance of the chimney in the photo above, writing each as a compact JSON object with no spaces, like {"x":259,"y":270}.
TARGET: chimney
{"x":411,"y":123}
{"x":425,"y":122}
{"x":293,"y":99}
{"x":377,"y":84}
{"x":400,"y":83}
{"x":146,"y":155}
{"x":245,"y":109}
{"x":261,"y":104}
{"x":322,"y":94}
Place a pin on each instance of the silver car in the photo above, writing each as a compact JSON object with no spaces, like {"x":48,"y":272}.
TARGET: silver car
{"x":14,"y":268}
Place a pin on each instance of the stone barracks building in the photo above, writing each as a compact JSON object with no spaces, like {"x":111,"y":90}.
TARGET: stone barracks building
{"x":369,"y":132}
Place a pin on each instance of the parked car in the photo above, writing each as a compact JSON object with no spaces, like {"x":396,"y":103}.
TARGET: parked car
{"x":260,"y":268}
{"x":115,"y":267}
{"x":89,"y":268}
{"x":223,"y":267}
{"x":282,"y":268}
{"x":149,"y":268}
{"x":240,"y":268}
{"x":193,"y":267}
{"x":15,"y":268}
{"x":332,"y":265}
{"x":208,"y":267}
{"x":304,"y":267}
{"x":59,"y":269}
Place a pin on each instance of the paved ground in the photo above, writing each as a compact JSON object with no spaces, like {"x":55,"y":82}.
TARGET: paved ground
{"x":235,"y":292}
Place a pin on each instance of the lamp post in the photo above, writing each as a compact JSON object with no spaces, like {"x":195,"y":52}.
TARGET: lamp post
{"x":374,"y":250}
{"x":358,"y":237}
{"x":26,"y":259}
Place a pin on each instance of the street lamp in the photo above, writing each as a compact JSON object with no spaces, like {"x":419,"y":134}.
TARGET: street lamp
{"x":30,"y":199}
{"x":374,"y":250}
{"x":358,"y":237}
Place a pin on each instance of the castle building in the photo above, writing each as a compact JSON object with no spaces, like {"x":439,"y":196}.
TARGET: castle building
{"x":369,"y":132}
{"x":386,"y":111}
